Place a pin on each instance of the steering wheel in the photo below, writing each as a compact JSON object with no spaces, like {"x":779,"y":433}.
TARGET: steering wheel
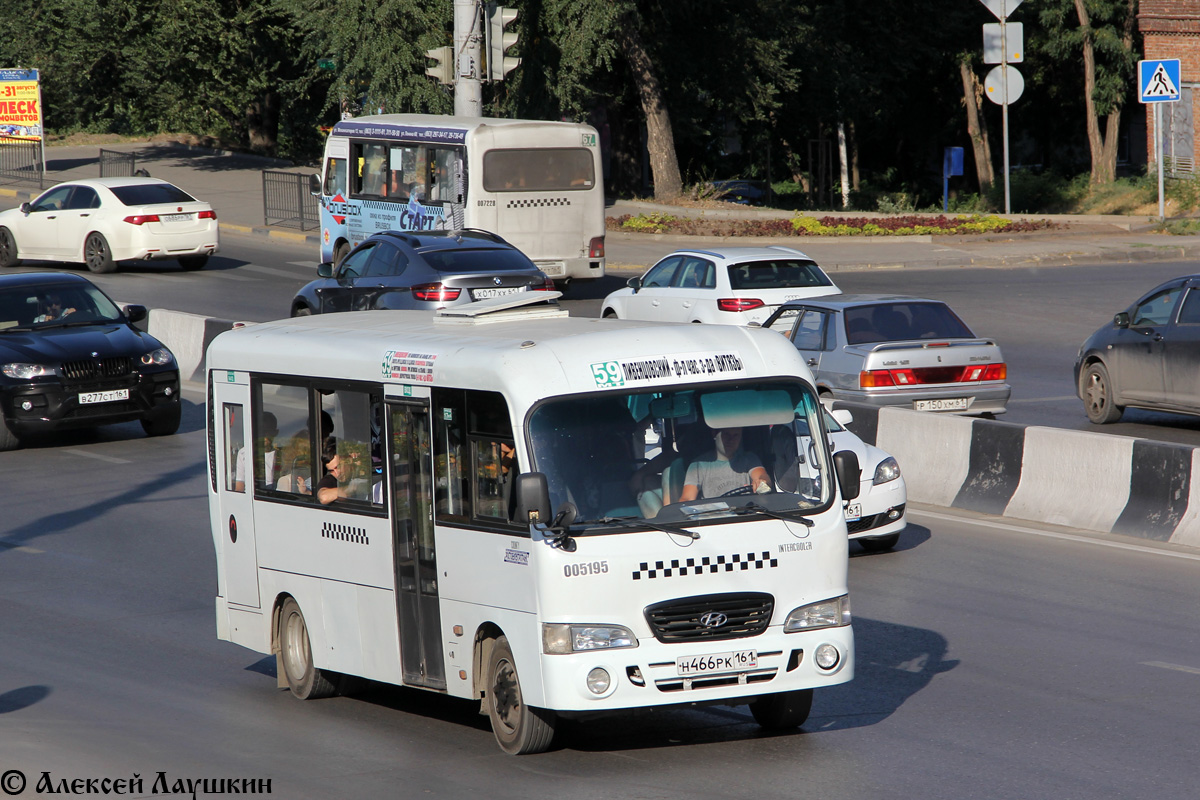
{"x":739,"y":490}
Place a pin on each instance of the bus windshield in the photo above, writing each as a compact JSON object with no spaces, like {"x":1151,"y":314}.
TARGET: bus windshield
{"x":692,"y":454}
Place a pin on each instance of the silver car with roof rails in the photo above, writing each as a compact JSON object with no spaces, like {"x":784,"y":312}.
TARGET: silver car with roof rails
{"x":894,"y":350}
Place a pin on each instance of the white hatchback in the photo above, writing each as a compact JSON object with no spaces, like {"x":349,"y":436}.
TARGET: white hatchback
{"x":102,"y":221}
{"x":729,"y":285}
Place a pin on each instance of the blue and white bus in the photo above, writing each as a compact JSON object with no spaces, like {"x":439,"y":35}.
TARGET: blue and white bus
{"x":537,"y":184}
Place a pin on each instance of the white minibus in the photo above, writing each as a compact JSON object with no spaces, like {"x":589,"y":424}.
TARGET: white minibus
{"x":553,"y":515}
{"x":537,"y":184}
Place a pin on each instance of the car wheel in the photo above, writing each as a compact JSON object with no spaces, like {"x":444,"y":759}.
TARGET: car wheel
{"x":301,"y":311}
{"x":193,"y":262}
{"x":1097,"y":394}
{"x":339,"y":253}
{"x":610,"y":314}
{"x":8,"y":439}
{"x":304,"y":679}
{"x":877,"y":544}
{"x":8,"y":249}
{"x":519,"y":728}
{"x":782,"y":710}
{"x":164,"y":422}
{"x":97,"y":255}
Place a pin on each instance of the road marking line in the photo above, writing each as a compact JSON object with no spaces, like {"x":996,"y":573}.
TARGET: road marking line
{"x":1070,"y":537}
{"x":97,"y":456}
{"x":1176,"y":667}
{"x":278,"y":273}
{"x":309,"y":264}
{"x":228,"y":275}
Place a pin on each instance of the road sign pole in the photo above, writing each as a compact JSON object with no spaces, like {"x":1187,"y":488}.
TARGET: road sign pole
{"x":1004,"y":112}
{"x":1158,"y":157}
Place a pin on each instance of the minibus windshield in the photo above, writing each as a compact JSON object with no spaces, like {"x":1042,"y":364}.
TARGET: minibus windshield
{"x":696,"y":454}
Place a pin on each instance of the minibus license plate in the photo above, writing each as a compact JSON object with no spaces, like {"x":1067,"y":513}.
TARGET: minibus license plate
{"x":174,"y":217}
{"x":713,"y":663}
{"x":483,"y":294}
{"x":947,"y":404}
{"x":103,"y":397}
{"x":853,"y":512}
{"x":553,"y":269}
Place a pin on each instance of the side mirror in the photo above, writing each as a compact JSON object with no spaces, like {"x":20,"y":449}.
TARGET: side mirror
{"x":533,"y":499}
{"x":314,"y":185}
{"x":843,"y":416}
{"x":325,"y":270}
{"x":845,"y":465}
{"x":25,"y":208}
{"x":135,"y":313}
{"x":634,"y":283}
{"x":1121,"y":320}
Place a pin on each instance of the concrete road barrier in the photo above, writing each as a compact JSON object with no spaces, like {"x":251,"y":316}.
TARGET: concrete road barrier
{"x":187,"y":336}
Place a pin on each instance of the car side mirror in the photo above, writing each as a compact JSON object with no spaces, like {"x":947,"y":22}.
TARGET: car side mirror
{"x":25,"y":209}
{"x":843,"y":416}
{"x":325,"y":270}
{"x":314,"y":185}
{"x":634,"y":283}
{"x":135,"y":313}
{"x":845,"y":465}
{"x":1121,"y":320}
{"x":533,"y":499}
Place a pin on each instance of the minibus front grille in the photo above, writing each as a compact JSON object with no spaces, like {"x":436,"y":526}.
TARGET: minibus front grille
{"x":711,"y":618}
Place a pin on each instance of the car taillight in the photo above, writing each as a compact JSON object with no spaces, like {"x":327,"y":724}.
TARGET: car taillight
{"x":596,"y":247}
{"x":207,"y":215}
{"x":547,"y":286}
{"x":873,"y":379}
{"x":435,"y":293}
{"x":739,"y":304}
{"x":141,"y":219}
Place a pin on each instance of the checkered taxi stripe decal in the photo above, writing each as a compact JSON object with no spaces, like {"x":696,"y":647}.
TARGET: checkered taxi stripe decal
{"x":540,"y":202}
{"x":344,"y":533}
{"x":710,"y":564}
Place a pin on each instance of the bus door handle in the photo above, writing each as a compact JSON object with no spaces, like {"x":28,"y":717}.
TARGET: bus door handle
{"x":654,"y":302}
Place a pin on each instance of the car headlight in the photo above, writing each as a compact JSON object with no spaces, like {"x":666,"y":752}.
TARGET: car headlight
{"x":888,"y":470}
{"x":24,"y":372}
{"x":814,"y":616}
{"x":559,"y":639}
{"x":158,"y":357}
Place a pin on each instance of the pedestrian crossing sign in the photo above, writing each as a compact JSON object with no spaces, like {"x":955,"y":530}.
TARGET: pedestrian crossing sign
{"x":1159,"y":81}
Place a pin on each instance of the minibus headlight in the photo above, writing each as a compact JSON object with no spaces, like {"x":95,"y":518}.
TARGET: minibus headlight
{"x":888,"y":470}
{"x":814,"y":616}
{"x":559,"y":639}
{"x":23,"y":372}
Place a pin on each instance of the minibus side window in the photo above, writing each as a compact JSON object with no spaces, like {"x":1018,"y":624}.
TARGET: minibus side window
{"x":449,"y":455}
{"x":335,"y":176}
{"x":494,"y":466}
{"x":354,"y":420}
{"x":234,"y":444}
{"x":286,"y":410}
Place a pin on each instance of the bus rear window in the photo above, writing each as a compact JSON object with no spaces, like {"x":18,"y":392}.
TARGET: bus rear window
{"x":538,"y":170}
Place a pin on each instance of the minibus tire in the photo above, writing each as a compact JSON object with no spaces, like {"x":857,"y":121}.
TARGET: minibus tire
{"x":782,"y":710}
{"x":519,"y":728}
{"x":309,"y":683}
{"x":876,"y":544}
{"x":339,"y":253}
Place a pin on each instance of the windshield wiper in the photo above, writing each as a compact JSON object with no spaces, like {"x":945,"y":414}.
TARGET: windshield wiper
{"x":645,"y":523}
{"x":755,"y":508}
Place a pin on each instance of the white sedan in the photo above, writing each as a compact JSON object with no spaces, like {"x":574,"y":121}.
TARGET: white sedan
{"x":727,"y":285}
{"x":102,"y":221}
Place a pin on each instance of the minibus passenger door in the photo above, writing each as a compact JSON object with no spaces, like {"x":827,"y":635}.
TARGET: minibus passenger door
{"x":414,"y":549}
{"x":235,"y":525}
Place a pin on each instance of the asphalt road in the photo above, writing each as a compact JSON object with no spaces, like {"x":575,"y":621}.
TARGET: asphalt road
{"x":994,"y":661}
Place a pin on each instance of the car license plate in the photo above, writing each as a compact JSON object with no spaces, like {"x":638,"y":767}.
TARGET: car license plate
{"x":86,"y":398}
{"x":947,"y":404}
{"x":713,"y":663}
{"x":853,"y":512}
{"x":483,"y":294}
{"x":553,"y":269}
{"x":174,"y":217}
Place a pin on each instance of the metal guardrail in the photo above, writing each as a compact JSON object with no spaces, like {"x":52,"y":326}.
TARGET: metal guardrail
{"x":114,"y":164}
{"x":21,"y":161}
{"x":286,"y":201}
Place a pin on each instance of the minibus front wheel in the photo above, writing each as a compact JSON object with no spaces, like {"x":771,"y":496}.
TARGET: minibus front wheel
{"x":303,"y":678}
{"x":782,"y":710}
{"x":519,"y":728}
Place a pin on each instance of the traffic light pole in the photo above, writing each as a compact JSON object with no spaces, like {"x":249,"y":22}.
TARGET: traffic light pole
{"x":468,"y":89}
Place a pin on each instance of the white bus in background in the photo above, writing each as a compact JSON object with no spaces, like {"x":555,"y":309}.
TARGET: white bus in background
{"x":537,"y":184}
{"x":504,"y":519}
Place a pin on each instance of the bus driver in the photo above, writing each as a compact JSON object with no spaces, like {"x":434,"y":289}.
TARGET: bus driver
{"x":724,"y":469}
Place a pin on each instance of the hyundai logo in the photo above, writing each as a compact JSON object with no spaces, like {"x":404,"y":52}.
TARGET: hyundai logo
{"x":497,"y":281}
{"x":713,"y":619}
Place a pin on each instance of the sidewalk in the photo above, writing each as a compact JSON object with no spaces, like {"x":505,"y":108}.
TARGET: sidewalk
{"x":233,"y":184}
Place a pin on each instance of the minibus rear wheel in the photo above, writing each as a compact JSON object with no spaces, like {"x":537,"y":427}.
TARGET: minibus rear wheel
{"x":782,"y":710}
{"x":519,"y":728}
{"x":304,"y":679}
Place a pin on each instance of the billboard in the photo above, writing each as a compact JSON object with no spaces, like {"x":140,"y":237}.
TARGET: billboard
{"x":20,"y":104}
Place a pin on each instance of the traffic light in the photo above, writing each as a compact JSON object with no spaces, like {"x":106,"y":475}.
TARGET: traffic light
{"x":443,"y":70}
{"x":500,"y":42}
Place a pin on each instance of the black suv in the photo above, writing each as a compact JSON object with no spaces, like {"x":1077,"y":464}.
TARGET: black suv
{"x":420,"y":270}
